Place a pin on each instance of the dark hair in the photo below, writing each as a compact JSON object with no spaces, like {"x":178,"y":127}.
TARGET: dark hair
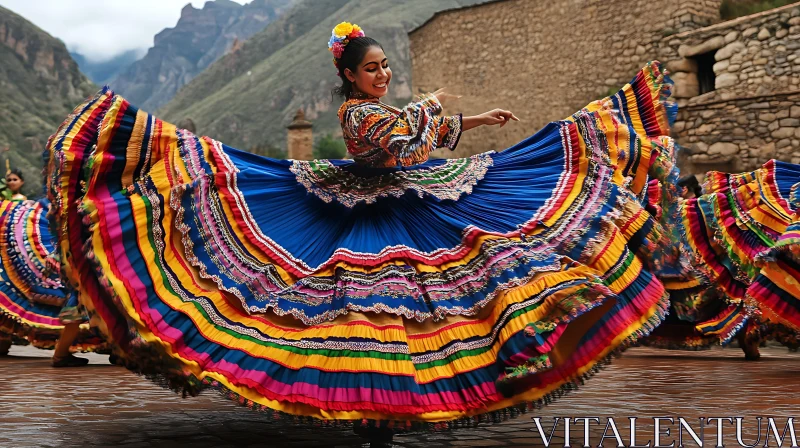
{"x":17,"y":172}
{"x":352,"y":55}
{"x":691,"y":183}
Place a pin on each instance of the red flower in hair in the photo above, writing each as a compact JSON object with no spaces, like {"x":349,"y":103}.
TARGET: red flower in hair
{"x":337,"y":49}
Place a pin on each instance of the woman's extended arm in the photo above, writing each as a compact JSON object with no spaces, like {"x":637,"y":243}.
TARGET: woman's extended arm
{"x":493,"y":117}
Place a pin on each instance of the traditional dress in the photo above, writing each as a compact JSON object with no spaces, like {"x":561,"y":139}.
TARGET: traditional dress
{"x":743,"y":235}
{"x":391,"y":290}
{"x":380,"y":136}
{"x":31,"y":293}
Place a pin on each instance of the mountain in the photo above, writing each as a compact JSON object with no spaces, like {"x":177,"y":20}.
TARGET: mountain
{"x":200,"y":37}
{"x":102,"y":72}
{"x":248,"y":96}
{"x":39,"y":85}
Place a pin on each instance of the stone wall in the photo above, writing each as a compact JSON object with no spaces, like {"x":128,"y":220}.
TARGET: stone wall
{"x":740,"y":134}
{"x":542,"y":60}
{"x":754,"y":55}
{"x":753,"y":113}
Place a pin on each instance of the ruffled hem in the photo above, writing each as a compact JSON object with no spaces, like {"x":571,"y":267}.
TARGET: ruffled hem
{"x":744,"y":239}
{"x":31,"y":295}
{"x":87,"y":340}
{"x":760,"y":331}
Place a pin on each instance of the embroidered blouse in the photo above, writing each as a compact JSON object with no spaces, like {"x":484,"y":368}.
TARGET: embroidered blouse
{"x":382,"y":136}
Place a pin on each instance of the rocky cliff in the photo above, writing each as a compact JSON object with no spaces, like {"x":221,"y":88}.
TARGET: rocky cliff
{"x":200,"y":37}
{"x":248,"y":96}
{"x":39,"y":85}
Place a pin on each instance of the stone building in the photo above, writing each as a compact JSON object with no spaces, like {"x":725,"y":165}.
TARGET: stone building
{"x":545,"y":60}
{"x":300,"y":138}
{"x":738,"y":88}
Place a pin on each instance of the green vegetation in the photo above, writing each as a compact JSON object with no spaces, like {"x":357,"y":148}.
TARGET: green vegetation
{"x":5,"y":192}
{"x":39,"y":86}
{"x":251,"y":95}
{"x":609,"y":92}
{"x":732,"y":9}
{"x":330,"y":147}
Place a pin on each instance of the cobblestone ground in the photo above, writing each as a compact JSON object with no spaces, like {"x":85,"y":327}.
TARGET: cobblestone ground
{"x":107,"y":406}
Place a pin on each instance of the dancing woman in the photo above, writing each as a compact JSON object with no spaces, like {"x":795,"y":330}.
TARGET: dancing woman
{"x":743,"y":234}
{"x":389,"y":291}
{"x":14,"y":182}
{"x":381,"y":136}
{"x":31,"y":294}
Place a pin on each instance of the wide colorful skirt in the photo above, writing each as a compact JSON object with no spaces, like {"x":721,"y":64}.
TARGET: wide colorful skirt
{"x":32,"y":299}
{"x":743,"y":236}
{"x":447,"y":293}
{"x":759,"y":228}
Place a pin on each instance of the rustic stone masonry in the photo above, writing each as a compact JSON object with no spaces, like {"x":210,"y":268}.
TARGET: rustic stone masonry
{"x":542,"y":60}
{"x":737,"y":82}
{"x":752,"y":112}
{"x":740,"y":134}
{"x":300,"y":138}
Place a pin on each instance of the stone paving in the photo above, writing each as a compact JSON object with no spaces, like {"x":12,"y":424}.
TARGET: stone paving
{"x":107,"y":406}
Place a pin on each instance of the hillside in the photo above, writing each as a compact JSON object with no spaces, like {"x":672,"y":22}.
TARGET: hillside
{"x":39,"y":85}
{"x":199,"y":38}
{"x":248,"y":96}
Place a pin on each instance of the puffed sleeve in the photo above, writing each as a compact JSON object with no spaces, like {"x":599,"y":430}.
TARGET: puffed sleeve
{"x":408,"y":136}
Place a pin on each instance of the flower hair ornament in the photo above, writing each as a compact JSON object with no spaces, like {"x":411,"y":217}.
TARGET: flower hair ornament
{"x":340,"y":37}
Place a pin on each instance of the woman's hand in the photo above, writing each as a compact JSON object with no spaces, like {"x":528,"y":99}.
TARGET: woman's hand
{"x":493,"y":117}
{"x":497,"y":116}
{"x":445,"y":97}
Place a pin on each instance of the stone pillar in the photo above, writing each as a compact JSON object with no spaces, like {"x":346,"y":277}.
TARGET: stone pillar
{"x":300,"y":138}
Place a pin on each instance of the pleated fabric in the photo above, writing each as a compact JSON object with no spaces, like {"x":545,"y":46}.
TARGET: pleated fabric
{"x":447,"y":293}
{"x":744,"y":232}
{"x":32,"y":297}
{"x":742,"y":235}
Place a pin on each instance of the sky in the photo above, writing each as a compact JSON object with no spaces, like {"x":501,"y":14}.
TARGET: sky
{"x":102,"y":29}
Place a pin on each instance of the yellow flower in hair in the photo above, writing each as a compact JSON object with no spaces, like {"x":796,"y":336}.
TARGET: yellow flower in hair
{"x":343,"y":29}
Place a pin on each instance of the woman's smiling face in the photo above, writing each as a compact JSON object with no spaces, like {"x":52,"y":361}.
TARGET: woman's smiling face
{"x":373,"y":74}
